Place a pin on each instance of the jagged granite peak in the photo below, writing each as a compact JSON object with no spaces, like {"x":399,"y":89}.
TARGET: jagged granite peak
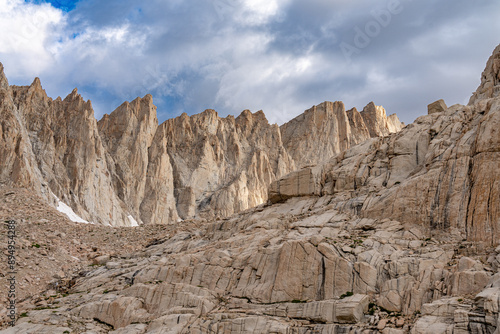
{"x":159,"y":205}
{"x":4,"y":83}
{"x":490,"y":79}
{"x":322,"y":131}
{"x":127,"y":169}
{"x":127,"y":134}
{"x":70,"y":158}
{"x":37,"y":84}
{"x":223,"y":165}
{"x":356,"y":121}
{"x":440,"y":172}
{"x":18,"y":166}
{"x":327,"y":129}
{"x":378,"y":123}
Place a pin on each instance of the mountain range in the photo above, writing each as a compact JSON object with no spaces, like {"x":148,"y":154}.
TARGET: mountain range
{"x":335,"y":222}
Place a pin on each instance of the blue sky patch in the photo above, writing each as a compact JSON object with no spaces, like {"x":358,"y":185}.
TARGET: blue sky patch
{"x":64,"y":5}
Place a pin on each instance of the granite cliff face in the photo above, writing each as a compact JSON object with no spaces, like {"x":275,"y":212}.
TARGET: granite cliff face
{"x":126,"y":169}
{"x":440,"y":172}
{"x":223,"y":165}
{"x":327,"y":129}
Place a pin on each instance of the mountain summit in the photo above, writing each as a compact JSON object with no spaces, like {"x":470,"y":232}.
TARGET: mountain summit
{"x":125,"y":169}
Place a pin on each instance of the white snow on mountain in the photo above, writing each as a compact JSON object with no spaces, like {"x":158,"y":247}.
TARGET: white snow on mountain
{"x":63,"y":208}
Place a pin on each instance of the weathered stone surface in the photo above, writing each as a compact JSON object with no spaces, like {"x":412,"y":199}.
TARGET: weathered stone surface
{"x":68,"y":150}
{"x":436,"y":107}
{"x":18,"y":165}
{"x":327,"y":129}
{"x":352,"y":309}
{"x":439,"y":171}
{"x":347,"y":310}
{"x":127,"y":170}
{"x":304,"y":182}
{"x":223,"y":165}
{"x":469,"y":282}
{"x":127,"y":134}
{"x":378,"y":123}
{"x":431,"y":324}
{"x":490,"y":79}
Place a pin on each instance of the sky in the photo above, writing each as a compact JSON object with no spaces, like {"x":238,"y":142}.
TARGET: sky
{"x":279,"y":56}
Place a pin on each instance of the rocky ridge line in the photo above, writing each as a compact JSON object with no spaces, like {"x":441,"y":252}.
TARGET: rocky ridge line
{"x":125,"y":168}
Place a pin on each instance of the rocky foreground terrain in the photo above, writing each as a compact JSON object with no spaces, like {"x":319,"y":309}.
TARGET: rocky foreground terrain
{"x":396,"y":232}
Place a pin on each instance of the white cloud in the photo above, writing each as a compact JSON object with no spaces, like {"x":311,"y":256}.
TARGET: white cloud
{"x":269,"y":82}
{"x":258,"y":12}
{"x":281,"y":56}
{"x":26,"y":34}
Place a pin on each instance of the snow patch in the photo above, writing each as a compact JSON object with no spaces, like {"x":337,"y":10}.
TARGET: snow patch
{"x":63,"y":208}
{"x":133,"y":222}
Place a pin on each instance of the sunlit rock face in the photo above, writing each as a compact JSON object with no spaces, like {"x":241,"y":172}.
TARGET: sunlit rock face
{"x":126,"y":169}
{"x":440,"y":171}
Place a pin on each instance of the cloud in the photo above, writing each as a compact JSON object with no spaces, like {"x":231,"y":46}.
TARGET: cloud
{"x":27,"y":31}
{"x":282,"y":56}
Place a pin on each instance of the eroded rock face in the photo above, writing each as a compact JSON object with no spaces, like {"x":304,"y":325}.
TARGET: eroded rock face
{"x":68,"y":150}
{"x":490,"y":79}
{"x":127,"y":169}
{"x":223,"y":165}
{"x":441,"y":171}
{"x":435,"y":107}
{"x":327,"y":129}
{"x":378,"y":123}
{"x":17,"y":162}
{"x":127,"y":134}
{"x":289,"y":267}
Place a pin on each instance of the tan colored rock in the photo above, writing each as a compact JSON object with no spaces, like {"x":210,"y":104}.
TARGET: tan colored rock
{"x":469,"y":282}
{"x":382,"y":323}
{"x":406,"y":221}
{"x":352,"y":309}
{"x":223,"y":165}
{"x":327,"y":129}
{"x":490,"y":79}
{"x":393,"y":331}
{"x":466,"y":263}
{"x":128,"y":170}
{"x":321,"y":131}
{"x":436,"y":107}
{"x":489,"y":299}
{"x":322,"y":311}
{"x":159,"y":203}
{"x":392,"y":294}
{"x":377,"y":122}
{"x":18,"y":163}
{"x":69,"y":153}
{"x":431,"y":324}
{"x":127,"y":134}
{"x":441,"y":308}
{"x":460,"y":152}
{"x":101,"y":260}
{"x":304,"y":182}
{"x":115,"y":311}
